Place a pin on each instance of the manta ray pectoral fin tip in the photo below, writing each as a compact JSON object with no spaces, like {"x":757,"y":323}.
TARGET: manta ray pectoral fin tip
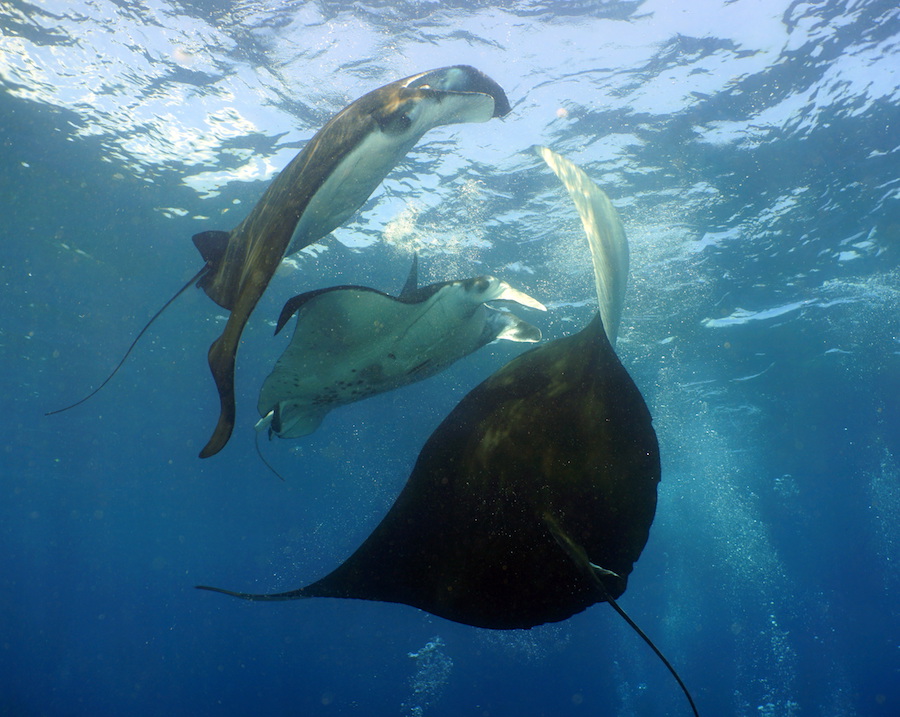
{"x":505,"y":292}
{"x":243,"y":596}
{"x":254,"y":597}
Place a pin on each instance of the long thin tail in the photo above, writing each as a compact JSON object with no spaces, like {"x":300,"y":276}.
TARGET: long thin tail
{"x":615,"y":606}
{"x":184,"y":288}
{"x":263,"y":458}
{"x":595,"y":572}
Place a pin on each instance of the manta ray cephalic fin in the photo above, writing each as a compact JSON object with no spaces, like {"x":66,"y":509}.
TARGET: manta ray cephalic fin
{"x":512,"y":327}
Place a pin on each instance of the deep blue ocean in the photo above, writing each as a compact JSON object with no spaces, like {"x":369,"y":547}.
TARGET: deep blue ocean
{"x":752,"y":148}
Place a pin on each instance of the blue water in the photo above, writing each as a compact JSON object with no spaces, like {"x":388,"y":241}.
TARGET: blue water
{"x":752,"y":150}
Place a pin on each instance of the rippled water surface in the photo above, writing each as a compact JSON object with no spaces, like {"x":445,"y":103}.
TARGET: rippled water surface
{"x":752,"y":148}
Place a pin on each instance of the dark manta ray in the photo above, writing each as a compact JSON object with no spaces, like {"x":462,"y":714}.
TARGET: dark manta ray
{"x":321,"y":188}
{"x":553,"y":454}
{"x":533,"y":499}
{"x":352,"y":342}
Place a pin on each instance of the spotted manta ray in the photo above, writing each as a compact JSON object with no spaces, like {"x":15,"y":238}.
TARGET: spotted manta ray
{"x":352,"y":342}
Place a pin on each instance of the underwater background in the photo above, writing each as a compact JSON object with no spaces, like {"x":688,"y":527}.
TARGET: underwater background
{"x":752,"y":148}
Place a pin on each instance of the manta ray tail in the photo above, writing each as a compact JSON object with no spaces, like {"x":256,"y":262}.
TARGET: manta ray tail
{"x":262,"y":457}
{"x":579,"y":557}
{"x":193,"y":280}
{"x":646,"y":639}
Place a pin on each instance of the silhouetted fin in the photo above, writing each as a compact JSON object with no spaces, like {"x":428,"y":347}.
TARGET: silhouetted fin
{"x":292,"y":595}
{"x":196,"y":278}
{"x":212,"y":246}
{"x":221,"y":359}
{"x":412,"y":281}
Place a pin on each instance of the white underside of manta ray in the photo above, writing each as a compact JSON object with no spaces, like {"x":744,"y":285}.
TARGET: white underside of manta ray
{"x":605,"y":235}
{"x":352,"y":342}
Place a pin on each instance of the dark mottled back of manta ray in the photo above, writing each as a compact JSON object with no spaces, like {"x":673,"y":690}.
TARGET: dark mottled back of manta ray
{"x":542,"y":473}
